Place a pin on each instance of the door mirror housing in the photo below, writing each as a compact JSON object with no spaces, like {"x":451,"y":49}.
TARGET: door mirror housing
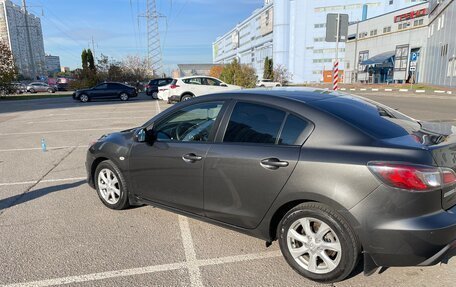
{"x":141,"y":135}
{"x":223,"y":85}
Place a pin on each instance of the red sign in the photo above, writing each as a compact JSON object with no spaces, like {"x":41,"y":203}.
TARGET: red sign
{"x":411,"y":15}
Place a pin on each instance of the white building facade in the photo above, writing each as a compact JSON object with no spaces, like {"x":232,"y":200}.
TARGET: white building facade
{"x":250,"y":42}
{"x":28,"y":55}
{"x":297,"y":39}
{"x":300,"y":30}
{"x":388,"y":48}
{"x":441,"y":44}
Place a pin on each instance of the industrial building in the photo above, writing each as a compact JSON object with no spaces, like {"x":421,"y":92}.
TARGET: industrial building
{"x":296,"y":40}
{"x":250,"y":41}
{"x":441,"y":44}
{"x":22,"y":32}
{"x":52,"y":64}
{"x":390,"y":48}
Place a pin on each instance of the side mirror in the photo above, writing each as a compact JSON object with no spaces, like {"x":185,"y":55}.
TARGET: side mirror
{"x":223,"y":85}
{"x":141,"y":135}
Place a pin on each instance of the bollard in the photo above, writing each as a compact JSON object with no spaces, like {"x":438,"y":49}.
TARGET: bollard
{"x":43,"y":145}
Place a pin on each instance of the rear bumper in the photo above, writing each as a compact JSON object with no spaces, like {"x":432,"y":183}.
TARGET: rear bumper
{"x":395,"y":231}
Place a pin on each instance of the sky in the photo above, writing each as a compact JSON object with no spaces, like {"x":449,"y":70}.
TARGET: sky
{"x":187,"y":29}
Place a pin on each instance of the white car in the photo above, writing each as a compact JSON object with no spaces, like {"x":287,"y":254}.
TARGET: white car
{"x":267,"y":83}
{"x":183,"y":89}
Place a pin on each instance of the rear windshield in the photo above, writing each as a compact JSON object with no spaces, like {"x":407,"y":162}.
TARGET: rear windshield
{"x":378,"y":120}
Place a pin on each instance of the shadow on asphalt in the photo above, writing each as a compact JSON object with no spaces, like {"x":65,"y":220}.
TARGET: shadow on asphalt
{"x":34,"y":194}
{"x":61,"y":103}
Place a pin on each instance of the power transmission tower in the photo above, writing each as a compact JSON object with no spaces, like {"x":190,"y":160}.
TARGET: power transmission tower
{"x":154,"y":52}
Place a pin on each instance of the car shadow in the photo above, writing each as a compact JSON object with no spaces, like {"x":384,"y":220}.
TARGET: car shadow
{"x":35,"y":194}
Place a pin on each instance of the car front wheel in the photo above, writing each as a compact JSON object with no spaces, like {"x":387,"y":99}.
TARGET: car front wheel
{"x":111,"y":186}
{"x":124,"y":97}
{"x":318,"y":243}
{"x":84,"y":98}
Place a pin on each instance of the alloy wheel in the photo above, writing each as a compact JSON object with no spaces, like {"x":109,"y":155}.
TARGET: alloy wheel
{"x":109,"y":186}
{"x":314,"y":245}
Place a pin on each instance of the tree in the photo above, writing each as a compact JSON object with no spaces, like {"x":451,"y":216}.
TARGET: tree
{"x":268,"y":72}
{"x":84,"y":59}
{"x":282,"y":75}
{"x":136,"y":68}
{"x":216,"y":72}
{"x":237,"y":74}
{"x":90,"y":61}
{"x":8,"y":71}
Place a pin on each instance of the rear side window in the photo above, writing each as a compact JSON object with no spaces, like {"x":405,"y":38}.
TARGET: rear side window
{"x":193,"y":81}
{"x":292,"y":130}
{"x":378,"y":121}
{"x":251,"y":123}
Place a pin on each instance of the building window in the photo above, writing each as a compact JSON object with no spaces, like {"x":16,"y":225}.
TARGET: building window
{"x":320,"y":25}
{"x":387,"y":29}
{"x":418,"y":22}
{"x":444,"y":50}
{"x":362,"y":35}
{"x":363,"y":56}
{"x":373,"y":32}
{"x":404,"y":25}
{"x":401,"y":59}
{"x":320,"y":39}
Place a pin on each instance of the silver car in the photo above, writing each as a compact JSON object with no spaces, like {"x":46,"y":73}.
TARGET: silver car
{"x":37,"y":87}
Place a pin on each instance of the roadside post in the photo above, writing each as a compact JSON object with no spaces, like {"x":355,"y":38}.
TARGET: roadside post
{"x":336,"y":31}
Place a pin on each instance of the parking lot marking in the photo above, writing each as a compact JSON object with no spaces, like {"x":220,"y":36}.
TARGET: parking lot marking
{"x":42,"y":181}
{"x":158,"y":107}
{"x":190,"y":253}
{"x":145,"y":270}
{"x":87,"y":119}
{"x":63,"y":131}
{"x":39,"y":148}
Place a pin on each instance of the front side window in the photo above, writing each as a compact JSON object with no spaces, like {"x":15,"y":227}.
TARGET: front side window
{"x":252,"y":123}
{"x":102,"y":87}
{"x":212,"y":82}
{"x":190,"y":124}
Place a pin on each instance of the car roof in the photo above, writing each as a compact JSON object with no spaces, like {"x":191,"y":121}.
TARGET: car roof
{"x":300,"y":94}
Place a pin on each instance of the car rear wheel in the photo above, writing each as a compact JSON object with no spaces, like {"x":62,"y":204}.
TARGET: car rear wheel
{"x":124,"y":97}
{"x":51,"y":91}
{"x":318,"y":243}
{"x":84,"y":98}
{"x":186,"y":97}
{"x":111,"y":186}
{"x":155,"y":95}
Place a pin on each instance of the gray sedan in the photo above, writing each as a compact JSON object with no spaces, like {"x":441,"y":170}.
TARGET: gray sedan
{"x":333,"y":177}
{"x":37,"y":87}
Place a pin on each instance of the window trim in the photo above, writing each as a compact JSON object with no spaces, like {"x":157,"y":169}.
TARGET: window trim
{"x":222,"y":128}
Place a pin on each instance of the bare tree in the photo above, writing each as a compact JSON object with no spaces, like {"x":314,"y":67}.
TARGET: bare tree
{"x":136,"y":67}
{"x":282,"y":75}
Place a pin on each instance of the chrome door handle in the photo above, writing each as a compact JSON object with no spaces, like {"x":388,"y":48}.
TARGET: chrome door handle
{"x":273,"y":163}
{"x":191,"y":158}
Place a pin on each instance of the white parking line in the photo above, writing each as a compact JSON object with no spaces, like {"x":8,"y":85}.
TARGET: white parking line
{"x":158,"y":107}
{"x":42,"y":181}
{"x":190,"y":254}
{"x":63,"y":131}
{"x":87,"y":119}
{"x":145,"y":270}
{"x":38,"y":148}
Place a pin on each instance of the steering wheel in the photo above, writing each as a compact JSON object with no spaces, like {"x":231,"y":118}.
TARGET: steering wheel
{"x":181,"y":129}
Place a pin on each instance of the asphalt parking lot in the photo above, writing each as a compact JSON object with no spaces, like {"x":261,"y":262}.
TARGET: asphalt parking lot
{"x":54,"y":230}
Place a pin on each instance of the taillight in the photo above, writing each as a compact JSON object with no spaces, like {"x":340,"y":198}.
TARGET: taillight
{"x":174,"y":86}
{"x":413,"y":177}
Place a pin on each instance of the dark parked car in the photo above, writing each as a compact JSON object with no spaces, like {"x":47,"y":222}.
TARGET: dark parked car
{"x":106,"y":91}
{"x":332,"y":177}
{"x":152,"y":87}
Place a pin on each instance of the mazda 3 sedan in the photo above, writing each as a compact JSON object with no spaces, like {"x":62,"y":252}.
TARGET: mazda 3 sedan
{"x":333,"y":177}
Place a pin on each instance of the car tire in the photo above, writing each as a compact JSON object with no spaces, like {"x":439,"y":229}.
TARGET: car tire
{"x":124,"y":97}
{"x":334,"y":252}
{"x":186,"y":97}
{"x":32,"y":91}
{"x":155,"y":96}
{"x":111,"y":186}
{"x":51,"y":91}
{"x":84,"y":98}
{"x":278,"y":85}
